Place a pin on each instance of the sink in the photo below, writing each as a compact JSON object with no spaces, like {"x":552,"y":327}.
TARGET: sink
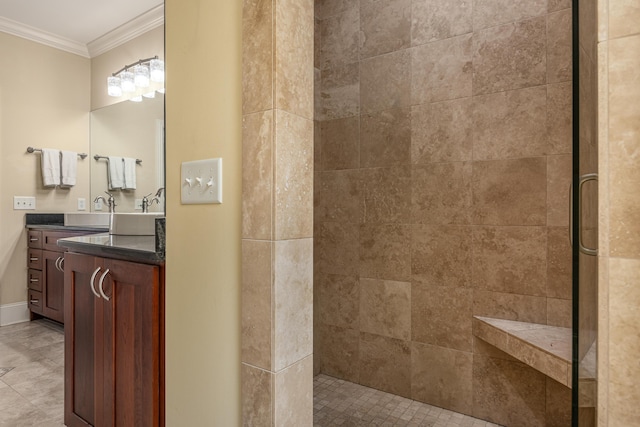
{"x":87,"y":219}
{"x":134,"y":224}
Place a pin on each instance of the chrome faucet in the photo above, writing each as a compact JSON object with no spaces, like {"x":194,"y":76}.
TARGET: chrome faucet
{"x":159,"y":192}
{"x":146,"y":202}
{"x":111,"y":202}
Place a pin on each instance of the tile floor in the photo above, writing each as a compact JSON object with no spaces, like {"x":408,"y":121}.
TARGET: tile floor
{"x":32,"y":374}
{"x":341,"y":403}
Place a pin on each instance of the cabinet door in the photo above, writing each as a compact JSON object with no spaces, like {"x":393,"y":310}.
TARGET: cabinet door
{"x":83,"y":324}
{"x":131,"y":344}
{"x":53,"y":292}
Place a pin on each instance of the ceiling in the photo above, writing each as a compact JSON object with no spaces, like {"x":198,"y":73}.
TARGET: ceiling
{"x":78,"y":21}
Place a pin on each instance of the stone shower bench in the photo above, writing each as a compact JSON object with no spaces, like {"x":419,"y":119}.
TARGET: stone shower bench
{"x":544,"y":348}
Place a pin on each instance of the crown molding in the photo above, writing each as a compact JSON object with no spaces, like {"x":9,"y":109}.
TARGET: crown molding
{"x":30,"y":33}
{"x":129,"y":31}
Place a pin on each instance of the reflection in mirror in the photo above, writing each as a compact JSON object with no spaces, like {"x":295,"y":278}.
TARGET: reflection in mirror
{"x":136,"y":130}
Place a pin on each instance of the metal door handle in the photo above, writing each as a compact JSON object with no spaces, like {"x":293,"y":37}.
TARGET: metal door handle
{"x":100,"y":284}
{"x":93,"y":276}
{"x":584,"y":179}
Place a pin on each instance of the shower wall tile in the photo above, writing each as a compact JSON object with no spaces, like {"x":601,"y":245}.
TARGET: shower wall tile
{"x":257,"y":177}
{"x":256,"y":396}
{"x":523,"y":42}
{"x":559,"y":263}
{"x":257,"y":317}
{"x":508,"y":393}
{"x":555,"y":5}
{"x":340,"y":143}
{"x":441,"y":70}
{"x":442,"y":377}
{"x":441,"y":193}
{"x":385,"y":26}
{"x":510,"y":124}
{"x":558,"y":411}
{"x":510,"y":259}
{"x":328,"y":8}
{"x":340,"y":352}
{"x":386,"y":195}
{"x":317,"y":55}
{"x":293,"y":58}
{"x":292,"y":296}
{"x":559,"y":118}
{"x":385,"y":138}
{"x":523,"y":308}
{"x":441,"y":255}
{"x":483,"y":348}
{"x":257,"y":56}
{"x":338,"y":300}
{"x":385,"y":252}
{"x":339,"y":38}
{"x":558,"y":180}
{"x":559,"y":46}
{"x":340,"y":92}
{"x":340,"y":248}
{"x":340,"y":196}
{"x":623,"y":18}
{"x":433,"y":20}
{"x":624,"y":133}
{"x":385,"y":82}
{"x":385,"y":364}
{"x":385,"y":308}
{"x":293,"y":192}
{"x":442,"y":316}
{"x":510,"y":192}
{"x":489,"y":13}
{"x":442,"y":131}
{"x":293,"y":401}
{"x":559,"y":312}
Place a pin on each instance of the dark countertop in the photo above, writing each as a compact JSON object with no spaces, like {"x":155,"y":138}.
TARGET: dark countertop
{"x":68,"y":227}
{"x":128,"y":248}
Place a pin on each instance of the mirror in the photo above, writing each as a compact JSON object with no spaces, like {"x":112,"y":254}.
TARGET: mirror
{"x":129,"y":129}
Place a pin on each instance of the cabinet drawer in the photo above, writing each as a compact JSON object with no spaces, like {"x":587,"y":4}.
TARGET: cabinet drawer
{"x":35,"y":239}
{"x":35,"y":280}
{"x":50,"y":239}
{"x":34,"y":259}
{"x":35,"y":301}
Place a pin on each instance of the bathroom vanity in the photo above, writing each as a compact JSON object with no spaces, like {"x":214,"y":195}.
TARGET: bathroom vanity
{"x":114,"y":330}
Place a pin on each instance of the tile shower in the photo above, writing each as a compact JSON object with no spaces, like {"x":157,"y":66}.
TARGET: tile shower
{"x":442,"y":167}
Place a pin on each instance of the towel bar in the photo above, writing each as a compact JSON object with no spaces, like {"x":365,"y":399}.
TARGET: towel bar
{"x":33,"y":150}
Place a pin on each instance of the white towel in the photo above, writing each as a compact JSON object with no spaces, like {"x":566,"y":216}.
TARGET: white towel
{"x":50,"y":160}
{"x":129,"y":174}
{"x":115,"y":172}
{"x":68,"y":168}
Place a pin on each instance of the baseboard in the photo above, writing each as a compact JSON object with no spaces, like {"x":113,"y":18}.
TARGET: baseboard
{"x":14,"y":313}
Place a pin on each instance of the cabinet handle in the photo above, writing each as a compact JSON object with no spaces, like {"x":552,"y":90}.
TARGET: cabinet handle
{"x":33,"y":239}
{"x":100,"y":284}
{"x":93,"y":276}
{"x":57,"y":264}
{"x":33,"y":280}
{"x":33,"y":259}
{"x":34,"y":301}
{"x":61,"y":264}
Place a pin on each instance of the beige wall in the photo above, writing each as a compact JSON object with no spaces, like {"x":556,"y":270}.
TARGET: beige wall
{"x":44,"y":102}
{"x":203,"y":45}
{"x":144,"y":46}
{"x":619,"y":245}
{"x":442,"y":175}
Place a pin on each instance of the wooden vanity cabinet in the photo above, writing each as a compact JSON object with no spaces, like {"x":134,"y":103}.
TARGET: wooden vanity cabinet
{"x":113,"y":333}
{"x":45,"y":278}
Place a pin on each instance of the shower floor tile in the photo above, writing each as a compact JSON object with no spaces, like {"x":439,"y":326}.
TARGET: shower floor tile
{"x":341,"y":403}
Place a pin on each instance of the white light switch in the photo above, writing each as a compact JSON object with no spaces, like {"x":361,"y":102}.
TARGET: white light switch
{"x":201,"y":181}
{"x":24,"y":203}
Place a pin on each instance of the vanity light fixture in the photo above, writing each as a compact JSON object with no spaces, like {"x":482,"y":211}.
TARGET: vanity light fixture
{"x":134,"y":76}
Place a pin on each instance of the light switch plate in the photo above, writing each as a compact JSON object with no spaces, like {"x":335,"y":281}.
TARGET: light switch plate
{"x":24,"y":203}
{"x":201,"y":181}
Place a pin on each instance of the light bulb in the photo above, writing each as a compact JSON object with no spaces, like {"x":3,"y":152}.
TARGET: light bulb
{"x":157,"y":70}
{"x":113,"y":86}
{"x":127,"y":82}
{"x":141,"y":75}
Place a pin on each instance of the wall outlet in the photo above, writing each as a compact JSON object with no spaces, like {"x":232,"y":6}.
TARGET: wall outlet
{"x":138,"y":205}
{"x":24,"y":203}
{"x":82,"y":204}
{"x":97,"y":206}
